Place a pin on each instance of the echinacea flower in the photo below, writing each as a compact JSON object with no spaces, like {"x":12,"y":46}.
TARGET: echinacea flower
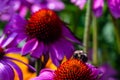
{"x":7,"y":64}
{"x":44,"y":33}
{"x":72,"y":69}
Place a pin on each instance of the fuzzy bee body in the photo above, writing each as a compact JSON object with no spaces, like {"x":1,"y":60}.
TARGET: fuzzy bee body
{"x":79,"y":54}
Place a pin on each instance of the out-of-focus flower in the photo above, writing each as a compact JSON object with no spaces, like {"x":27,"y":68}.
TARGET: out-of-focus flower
{"x":45,"y":33}
{"x":73,"y":69}
{"x":56,"y":5}
{"x":114,"y":7}
{"x":25,"y":70}
{"x":7,"y":66}
{"x":9,"y":7}
{"x":97,"y":6}
{"x":79,"y":3}
{"x":108,"y":72}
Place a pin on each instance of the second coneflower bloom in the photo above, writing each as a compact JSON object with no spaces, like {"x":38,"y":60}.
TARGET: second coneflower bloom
{"x":73,"y":69}
{"x":45,"y":33}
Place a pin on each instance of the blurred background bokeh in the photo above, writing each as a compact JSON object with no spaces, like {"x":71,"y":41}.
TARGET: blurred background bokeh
{"x":108,"y":33}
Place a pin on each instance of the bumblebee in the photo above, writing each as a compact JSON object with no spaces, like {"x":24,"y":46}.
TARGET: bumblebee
{"x":79,"y":54}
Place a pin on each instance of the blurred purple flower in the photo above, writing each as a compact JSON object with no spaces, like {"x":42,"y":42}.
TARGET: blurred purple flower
{"x":56,"y":5}
{"x":79,"y":3}
{"x":71,"y":70}
{"x":109,"y":72}
{"x":9,"y":7}
{"x":114,"y":6}
{"x":97,"y":6}
{"x":44,"y":33}
{"x":7,"y":64}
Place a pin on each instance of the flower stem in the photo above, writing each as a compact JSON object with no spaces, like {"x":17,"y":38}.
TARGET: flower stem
{"x":38,"y":66}
{"x":95,"y":44}
{"x":117,"y":33}
{"x":87,"y":26}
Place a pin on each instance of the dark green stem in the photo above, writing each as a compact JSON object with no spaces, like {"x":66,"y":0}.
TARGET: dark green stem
{"x":117,"y":33}
{"x":95,"y":44}
{"x":87,"y":26}
{"x":38,"y":66}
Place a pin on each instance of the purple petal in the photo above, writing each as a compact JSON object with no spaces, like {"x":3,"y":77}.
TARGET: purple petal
{"x":45,"y":74}
{"x":31,"y":68}
{"x":98,"y":7}
{"x":68,"y":35}
{"x":29,"y":46}
{"x":6,"y":72}
{"x":18,"y":70}
{"x":9,"y":39}
{"x":53,"y":56}
{"x":58,"y":50}
{"x":17,"y":24}
{"x":38,"y":51}
{"x":13,"y":49}
{"x":67,"y":47}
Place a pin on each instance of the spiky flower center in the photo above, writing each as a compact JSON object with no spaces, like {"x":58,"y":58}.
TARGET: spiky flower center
{"x":1,"y":52}
{"x":73,"y":70}
{"x":44,"y":25}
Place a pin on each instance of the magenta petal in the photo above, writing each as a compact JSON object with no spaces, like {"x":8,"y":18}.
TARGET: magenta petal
{"x":68,"y":35}
{"x":58,"y":51}
{"x":13,"y":49}
{"x":45,"y":74}
{"x":38,"y":51}
{"x":6,"y":71}
{"x":53,"y":56}
{"x":29,"y":46}
{"x":67,"y":47}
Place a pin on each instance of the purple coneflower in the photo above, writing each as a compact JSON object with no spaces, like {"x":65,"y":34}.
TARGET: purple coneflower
{"x":73,"y":69}
{"x":7,"y":66}
{"x":45,"y":33}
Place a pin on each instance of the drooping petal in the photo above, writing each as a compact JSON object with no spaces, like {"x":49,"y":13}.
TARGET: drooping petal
{"x":38,"y":51}
{"x":58,"y":50}
{"x":29,"y":46}
{"x":67,"y":47}
{"x":69,"y":35}
{"x":98,"y":7}
{"x":6,"y":72}
{"x":18,"y":70}
{"x":53,"y":56}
